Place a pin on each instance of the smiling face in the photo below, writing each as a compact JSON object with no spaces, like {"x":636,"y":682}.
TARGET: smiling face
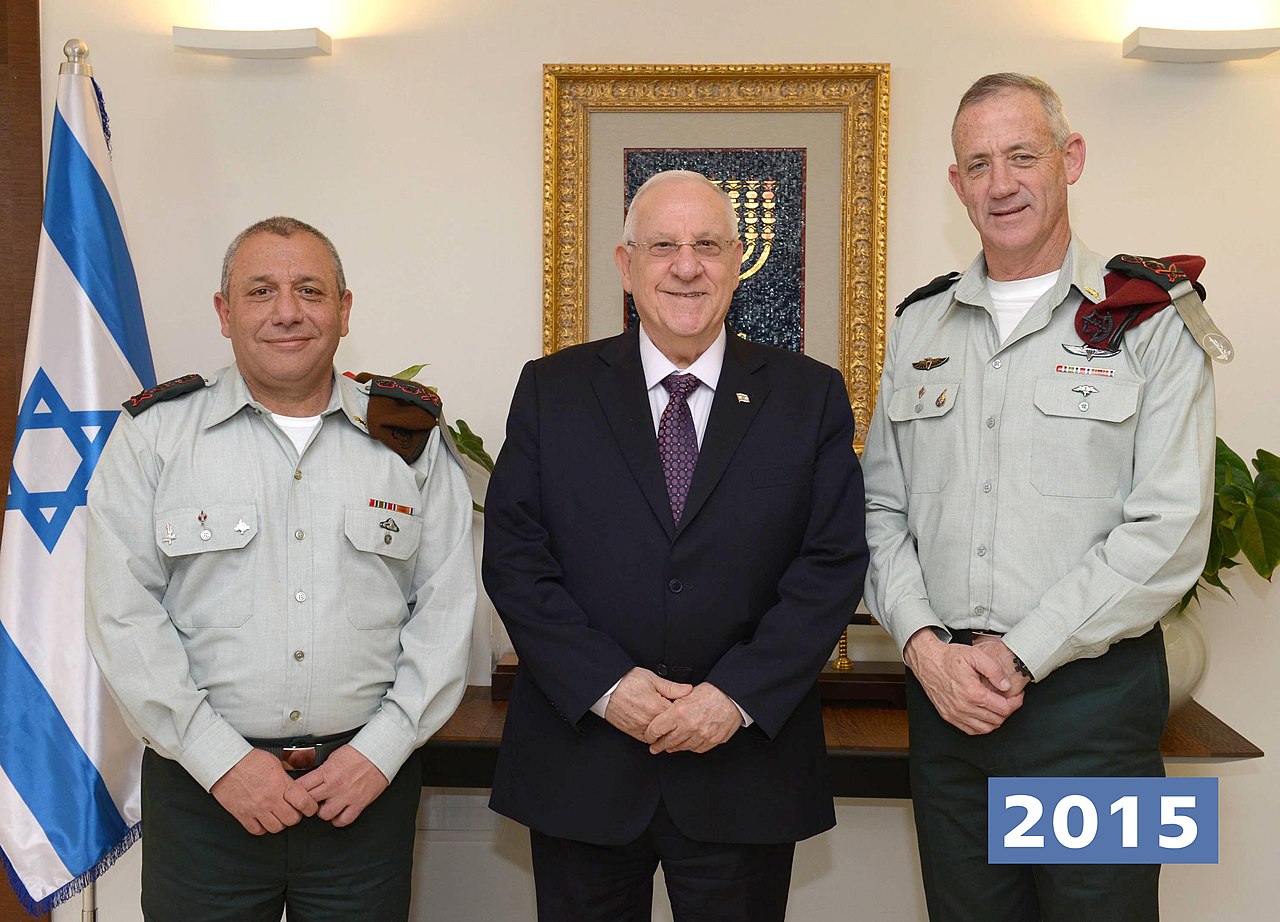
{"x":1013,"y":181}
{"x":682,"y":300}
{"x":284,"y":316}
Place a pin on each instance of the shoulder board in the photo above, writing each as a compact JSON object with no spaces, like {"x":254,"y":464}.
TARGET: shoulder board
{"x":166,"y":391}
{"x":410,"y":392}
{"x":1163,"y":272}
{"x":940,"y":284}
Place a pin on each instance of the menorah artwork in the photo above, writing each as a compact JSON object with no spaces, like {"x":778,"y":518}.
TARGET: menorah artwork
{"x":755,"y":203}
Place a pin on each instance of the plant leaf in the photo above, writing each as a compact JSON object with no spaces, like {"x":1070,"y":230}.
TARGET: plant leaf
{"x":1260,"y":525}
{"x":410,"y":373}
{"x":1227,"y":462}
{"x":471,"y":445}
{"x":1266,"y":461}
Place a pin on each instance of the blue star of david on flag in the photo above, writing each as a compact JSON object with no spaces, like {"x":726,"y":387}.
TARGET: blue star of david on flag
{"x":48,"y":512}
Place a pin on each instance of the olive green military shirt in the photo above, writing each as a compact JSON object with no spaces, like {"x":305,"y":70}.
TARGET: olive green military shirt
{"x":1059,"y":498}
{"x":238,"y":589}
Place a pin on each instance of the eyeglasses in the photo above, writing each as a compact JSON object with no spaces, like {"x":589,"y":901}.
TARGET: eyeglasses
{"x":667,"y":249}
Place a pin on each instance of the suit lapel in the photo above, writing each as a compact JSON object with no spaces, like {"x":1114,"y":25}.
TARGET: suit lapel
{"x":731,"y":415}
{"x":619,"y":385}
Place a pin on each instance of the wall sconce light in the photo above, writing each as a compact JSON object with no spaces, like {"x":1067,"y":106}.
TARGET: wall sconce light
{"x":1200,"y":46}
{"x":261,"y":43}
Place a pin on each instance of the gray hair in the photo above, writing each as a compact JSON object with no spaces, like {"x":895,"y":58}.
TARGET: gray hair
{"x":282,"y":227}
{"x":985,"y":88}
{"x":666,"y":176}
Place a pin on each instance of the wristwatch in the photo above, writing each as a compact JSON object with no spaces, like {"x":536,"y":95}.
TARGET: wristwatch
{"x":1021,"y":667}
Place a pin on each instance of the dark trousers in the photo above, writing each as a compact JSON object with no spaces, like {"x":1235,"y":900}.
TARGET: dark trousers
{"x":706,"y":881}
{"x":1100,"y":717}
{"x":200,"y":865}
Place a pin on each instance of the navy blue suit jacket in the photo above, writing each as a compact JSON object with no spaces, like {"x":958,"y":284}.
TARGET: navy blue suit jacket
{"x":751,"y":591}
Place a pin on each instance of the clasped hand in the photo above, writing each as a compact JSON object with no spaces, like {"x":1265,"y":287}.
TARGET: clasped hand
{"x":672,"y":716}
{"x":974,"y":688}
{"x":265,"y":799}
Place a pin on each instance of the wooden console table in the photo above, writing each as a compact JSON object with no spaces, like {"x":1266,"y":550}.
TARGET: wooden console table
{"x":866,"y":746}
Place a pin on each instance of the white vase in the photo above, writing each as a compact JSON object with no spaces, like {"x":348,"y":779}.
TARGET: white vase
{"x":1186,"y":645}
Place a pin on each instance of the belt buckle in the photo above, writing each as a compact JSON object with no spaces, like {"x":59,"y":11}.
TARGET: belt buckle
{"x":298,"y":758}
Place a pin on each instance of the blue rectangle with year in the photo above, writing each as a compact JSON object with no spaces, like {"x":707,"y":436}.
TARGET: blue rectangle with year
{"x":1102,"y":820}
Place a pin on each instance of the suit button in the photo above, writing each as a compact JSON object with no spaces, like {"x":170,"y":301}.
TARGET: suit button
{"x":675,"y":585}
{"x":661,"y":669}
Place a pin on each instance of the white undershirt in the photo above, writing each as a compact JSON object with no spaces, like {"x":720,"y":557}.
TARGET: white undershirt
{"x":1011,"y":300}
{"x":297,"y":428}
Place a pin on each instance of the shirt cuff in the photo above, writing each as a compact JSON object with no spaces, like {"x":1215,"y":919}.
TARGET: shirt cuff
{"x":746,"y":718}
{"x":383,"y":743}
{"x":602,"y":704}
{"x":908,"y":618}
{"x":214,"y":753}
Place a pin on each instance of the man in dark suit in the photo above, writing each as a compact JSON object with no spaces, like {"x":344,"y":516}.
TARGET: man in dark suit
{"x":674,"y":540}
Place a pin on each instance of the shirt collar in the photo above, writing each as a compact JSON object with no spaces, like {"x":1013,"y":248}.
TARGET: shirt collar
{"x":1081,"y":269}
{"x":233,"y":396}
{"x":657,"y":366}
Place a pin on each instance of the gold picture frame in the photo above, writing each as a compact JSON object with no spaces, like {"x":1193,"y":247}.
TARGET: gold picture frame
{"x":853,"y":99}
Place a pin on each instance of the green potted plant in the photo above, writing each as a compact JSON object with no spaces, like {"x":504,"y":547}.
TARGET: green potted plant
{"x":1246,"y":519}
{"x":1246,"y":529}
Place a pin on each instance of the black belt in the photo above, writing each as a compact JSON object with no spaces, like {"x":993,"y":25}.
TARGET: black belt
{"x":303,"y":753}
{"x":965,"y":636}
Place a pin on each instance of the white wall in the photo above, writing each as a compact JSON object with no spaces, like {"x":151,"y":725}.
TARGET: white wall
{"x":417,"y":147}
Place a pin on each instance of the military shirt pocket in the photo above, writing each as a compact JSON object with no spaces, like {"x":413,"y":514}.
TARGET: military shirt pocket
{"x":208,"y":546}
{"x":919,"y":412}
{"x":1083,"y":436}
{"x":376,"y":579}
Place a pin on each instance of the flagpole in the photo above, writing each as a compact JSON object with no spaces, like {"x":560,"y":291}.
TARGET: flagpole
{"x":68,"y":764}
{"x":77,"y":63}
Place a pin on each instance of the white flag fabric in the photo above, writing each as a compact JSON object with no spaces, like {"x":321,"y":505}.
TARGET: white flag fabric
{"x":69,"y":769}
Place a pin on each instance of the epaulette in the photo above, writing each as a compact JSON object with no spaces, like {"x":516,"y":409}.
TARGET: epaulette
{"x":401,"y":413}
{"x":1138,"y":288}
{"x":940,"y":284}
{"x":166,"y":391}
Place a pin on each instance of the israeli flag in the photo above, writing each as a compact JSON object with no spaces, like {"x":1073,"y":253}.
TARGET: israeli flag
{"x":69,"y":769}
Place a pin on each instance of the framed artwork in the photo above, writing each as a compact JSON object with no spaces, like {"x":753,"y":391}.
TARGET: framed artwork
{"x":802,"y":150}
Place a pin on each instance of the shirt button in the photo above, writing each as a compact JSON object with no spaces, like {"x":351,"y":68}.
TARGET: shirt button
{"x":297,"y":475}
{"x":295,"y":715}
{"x":1084,"y":406}
{"x":299,"y":534}
{"x":660,"y":669}
{"x":299,"y":655}
{"x":998,"y":363}
{"x":991,"y":422}
{"x":982,"y":550}
{"x":919,"y":407}
{"x":986,"y":486}
{"x":300,"y":596}
{"x":979,"y":610}
{"x":675,"y":585}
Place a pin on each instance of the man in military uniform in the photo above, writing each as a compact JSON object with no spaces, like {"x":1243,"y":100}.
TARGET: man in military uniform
{"x":1039,"y":483}
{"x":281,"y":605}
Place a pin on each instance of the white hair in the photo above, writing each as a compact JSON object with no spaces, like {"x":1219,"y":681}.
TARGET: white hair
{"x":669,"y":176}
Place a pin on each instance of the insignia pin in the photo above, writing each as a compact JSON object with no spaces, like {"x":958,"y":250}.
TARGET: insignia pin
{"x":1084,"y":390}
{"x":921,"y":393}
{"x":1092,"y":294}
{"x":241,"y":527}
{"x":928,"y":364}
{"x":743,"y":398}
{"x":170,"y":535}
{"x":389,"y":525}
{"x":942,"y":399}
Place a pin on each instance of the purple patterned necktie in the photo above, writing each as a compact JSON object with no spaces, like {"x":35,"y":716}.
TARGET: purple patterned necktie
{"x":678,"y":440}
